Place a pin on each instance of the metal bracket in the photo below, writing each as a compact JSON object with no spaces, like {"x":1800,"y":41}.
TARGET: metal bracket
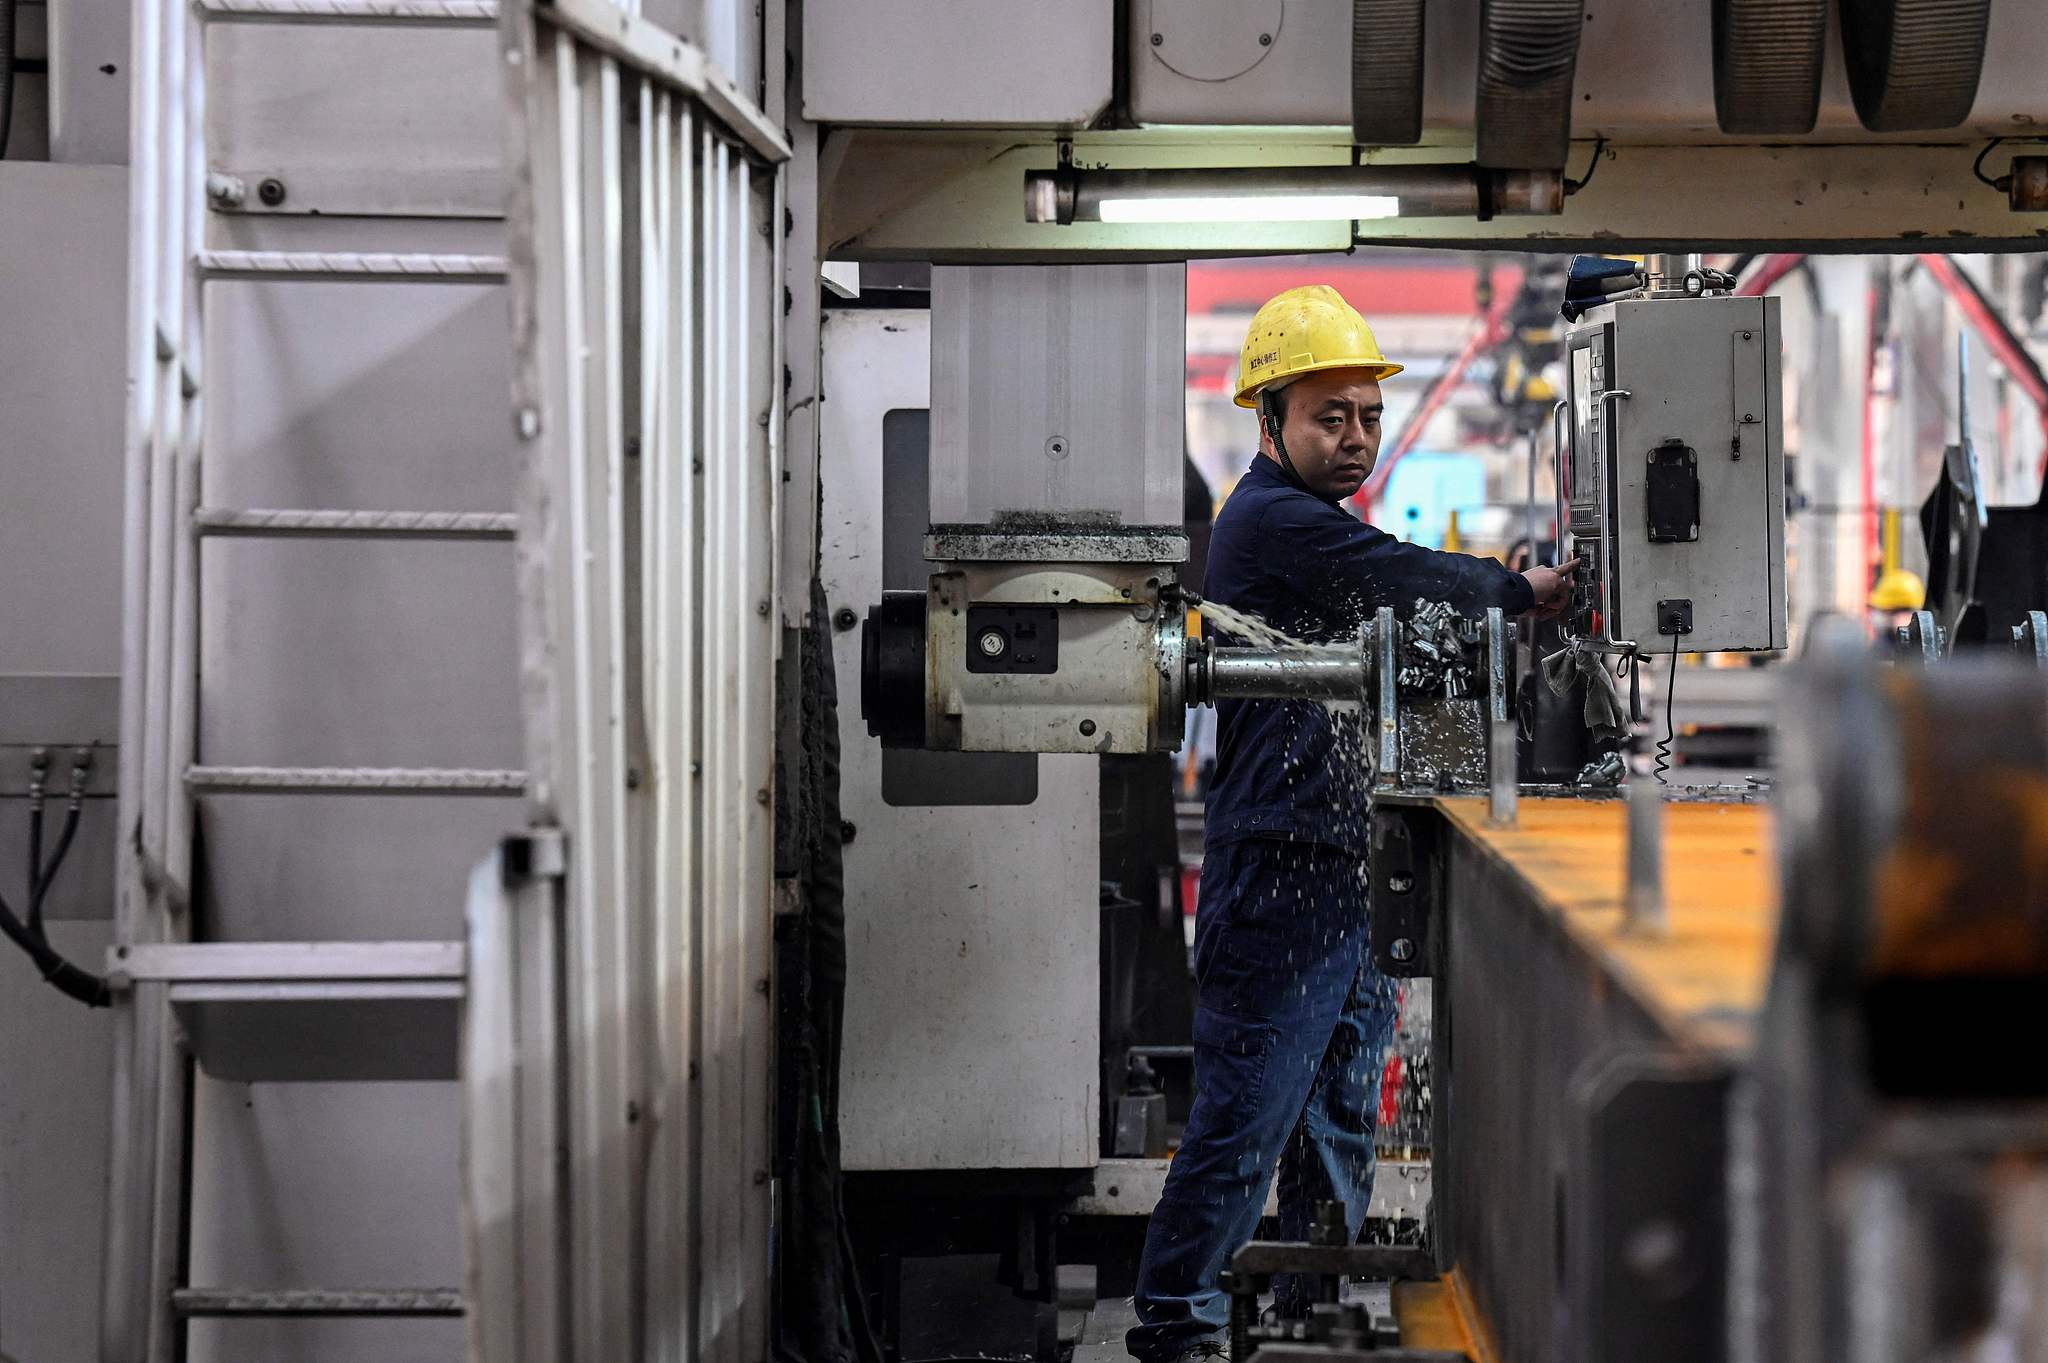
{"x":2030,"y":638}
{"x":1921,"y":638}
{"x":1404,"y":890}
{"x":536,"y":854}
{"x":1387,"y":704}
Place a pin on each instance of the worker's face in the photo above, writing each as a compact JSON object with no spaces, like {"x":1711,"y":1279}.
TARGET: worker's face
{"x":1332,"y":430}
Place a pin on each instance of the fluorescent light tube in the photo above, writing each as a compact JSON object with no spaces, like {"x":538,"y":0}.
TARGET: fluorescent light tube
{"x":1250,"y":208}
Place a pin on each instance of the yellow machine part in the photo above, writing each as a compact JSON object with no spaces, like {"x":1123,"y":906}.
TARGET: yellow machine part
{"x":1897,"y":588}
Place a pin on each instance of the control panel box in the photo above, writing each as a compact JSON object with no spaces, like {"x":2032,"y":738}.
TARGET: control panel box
{"x":1673,"y":474}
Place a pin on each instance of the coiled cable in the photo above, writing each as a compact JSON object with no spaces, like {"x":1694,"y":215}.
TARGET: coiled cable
{"x":1663,"y":750}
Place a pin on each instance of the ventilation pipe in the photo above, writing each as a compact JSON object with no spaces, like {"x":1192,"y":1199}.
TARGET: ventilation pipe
{"x":1386,"y":72}
{"x":1528,"y":54}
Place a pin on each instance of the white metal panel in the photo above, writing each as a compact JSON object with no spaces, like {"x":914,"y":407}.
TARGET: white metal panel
{"x":984,"y":62}
{"x":357,"y":120}
{"x":645,"y":261}
{"x":972,"y":1008}
{"x":296,"y":1185}
{"x":53,"y":1152}
{"x":61,"y":279}
{"x":1058,"y":389}
{"x":730,"y":32}
{"x":89,"y":81}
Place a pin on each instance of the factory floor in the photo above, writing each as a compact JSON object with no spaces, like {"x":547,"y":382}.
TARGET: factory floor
{"x":1096,"y":1331}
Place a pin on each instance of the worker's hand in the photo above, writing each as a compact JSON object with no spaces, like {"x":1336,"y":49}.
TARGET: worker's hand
{"x":1553,"y":588}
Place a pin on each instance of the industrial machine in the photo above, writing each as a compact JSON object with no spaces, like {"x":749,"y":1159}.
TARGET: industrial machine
{"x":1672,"y":479}
{"x":1051,"y":622}
{"x":1053,"y":619}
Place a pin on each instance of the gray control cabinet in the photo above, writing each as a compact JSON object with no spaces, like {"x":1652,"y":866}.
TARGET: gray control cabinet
{"x":1675,"y":473}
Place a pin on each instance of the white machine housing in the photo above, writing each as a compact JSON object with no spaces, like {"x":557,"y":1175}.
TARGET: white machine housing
{"x":1673,"y":473}
{"x":1058,"y":435}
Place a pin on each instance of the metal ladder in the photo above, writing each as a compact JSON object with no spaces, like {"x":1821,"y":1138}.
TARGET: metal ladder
{"x":242,"y":1010}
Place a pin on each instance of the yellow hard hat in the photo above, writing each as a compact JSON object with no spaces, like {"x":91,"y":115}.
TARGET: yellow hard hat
{"x":1303,"y":330}
{"x":1898,"y":589}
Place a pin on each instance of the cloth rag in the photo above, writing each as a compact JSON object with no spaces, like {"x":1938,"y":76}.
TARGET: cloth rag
{"x":1606,"y":716}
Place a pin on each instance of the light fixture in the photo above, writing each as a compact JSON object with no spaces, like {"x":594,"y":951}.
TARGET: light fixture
{"x":1288,"y":193}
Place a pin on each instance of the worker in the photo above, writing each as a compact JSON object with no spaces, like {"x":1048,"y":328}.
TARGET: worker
{"x":1292,"y":1020}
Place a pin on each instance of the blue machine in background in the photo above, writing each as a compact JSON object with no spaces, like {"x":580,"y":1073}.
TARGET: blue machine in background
{"x":1423,"y":491}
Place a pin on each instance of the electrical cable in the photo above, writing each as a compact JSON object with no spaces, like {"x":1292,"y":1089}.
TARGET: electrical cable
{"x":1599,"y":149}
{"x":1977,"y":167}
{"x":2003,"y":182}
{"x":82,"y":985}
{"x":89,"y":989}
{"x":1663,"y":754}
{"x":55,"y":863}
{"x":35,"y":859}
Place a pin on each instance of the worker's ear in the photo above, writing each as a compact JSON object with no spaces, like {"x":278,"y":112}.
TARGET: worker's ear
{"x":1269,"y":425}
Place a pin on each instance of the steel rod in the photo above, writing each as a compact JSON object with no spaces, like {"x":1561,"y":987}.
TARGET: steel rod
{"x":1647,"y":913}
{"x":1500,"y":773}
{"x":1333,"y":672}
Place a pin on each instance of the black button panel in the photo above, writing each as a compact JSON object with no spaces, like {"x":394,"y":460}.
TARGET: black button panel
{"x":1013,"y":639}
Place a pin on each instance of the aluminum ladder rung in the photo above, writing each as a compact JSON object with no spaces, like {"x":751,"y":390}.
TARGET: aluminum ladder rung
{"x":222,"y":522}
{"x":304,"y":1301}
{"x":417,"y":13}
{"x":357,"y":780}
{"x":290,"y":963}
{"x":308,"y":1012}
{"x":381,"y":267}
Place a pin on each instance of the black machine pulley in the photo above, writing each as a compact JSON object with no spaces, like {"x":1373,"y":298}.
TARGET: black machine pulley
{"x":892,"y":670}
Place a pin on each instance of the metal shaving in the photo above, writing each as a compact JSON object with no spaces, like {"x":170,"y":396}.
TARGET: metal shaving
{"x":1437,"y":652}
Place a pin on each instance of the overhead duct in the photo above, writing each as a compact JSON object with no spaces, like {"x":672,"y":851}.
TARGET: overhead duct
{"x":1528,"y":52}
{"x":1767,"y":64}
{"x":1386,"y":72}
{"x":1913,"y":64}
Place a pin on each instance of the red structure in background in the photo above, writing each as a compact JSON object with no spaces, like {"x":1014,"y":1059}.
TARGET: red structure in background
{"x":1379,"y":288}
{"x":1376,"y":288}
{"x":1991,"y":329}
{"x":1491,"y":331}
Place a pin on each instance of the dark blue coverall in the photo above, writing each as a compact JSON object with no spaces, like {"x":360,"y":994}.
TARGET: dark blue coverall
{"x":1291,"y":1018}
